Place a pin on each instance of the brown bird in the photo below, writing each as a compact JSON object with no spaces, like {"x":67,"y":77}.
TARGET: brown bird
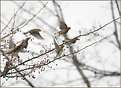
{"x":73,"y":40}
{"x":63,"y":25}
{"x":35,"y":33}
{"x":6,"y":69}
{"x":64,"y":28}
{"x":20,"y":47}
{"x":24,"y":43}
{"x":59,"y":49}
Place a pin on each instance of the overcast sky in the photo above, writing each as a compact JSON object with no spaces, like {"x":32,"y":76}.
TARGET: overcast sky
{"x":80,"y":16}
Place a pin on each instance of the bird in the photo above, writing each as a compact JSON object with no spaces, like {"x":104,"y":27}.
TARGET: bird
{"x":35,"y":33}
{"x":73,"y":40}
{"x":24,"y":43}
{"x":64,"y":28}
{"x":59,"y":49}
{"x":20,"y":47}
{"x":14,"y":49}
{"x":6,"y":69}
{"x":11,"y":43}
{"x":63,"y":25}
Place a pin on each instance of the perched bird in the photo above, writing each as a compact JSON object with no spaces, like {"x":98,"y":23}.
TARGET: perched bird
{"x":20,"y":47}
{"x":64,"y":28}
{"x":59,"y":49}
{"x":12,"y":50}
{"x":35,"y":33}
{"x":73,"y":40}
{"x":6,"y":69}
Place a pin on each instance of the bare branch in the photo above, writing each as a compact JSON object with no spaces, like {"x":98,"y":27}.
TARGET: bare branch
{"x":13,"y":16}
{"x":115,"y":26}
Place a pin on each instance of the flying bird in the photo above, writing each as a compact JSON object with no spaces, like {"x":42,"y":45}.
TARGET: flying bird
{"x":64,"y":28}
{"x":35,"y":33}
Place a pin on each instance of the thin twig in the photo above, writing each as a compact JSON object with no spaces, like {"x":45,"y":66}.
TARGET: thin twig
{"x":38,"y":18}
{"x":25,"y":23}
{"x":118,"y":7}
{"x":115,"y":25}
{"x":13,"y":16}
{"x":18,"y":71}
{"x":100,"y":27}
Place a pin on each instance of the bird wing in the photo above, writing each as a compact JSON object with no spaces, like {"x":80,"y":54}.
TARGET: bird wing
{"x":11,"y":50}
{"x":37,"y":35}
{"x":11,"y":44}
{"x":56,"y":45}
{"x":63,"y":25}
{"x":59,"y":51}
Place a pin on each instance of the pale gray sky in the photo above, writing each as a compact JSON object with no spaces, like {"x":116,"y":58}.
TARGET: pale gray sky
{"x":80,"y":16}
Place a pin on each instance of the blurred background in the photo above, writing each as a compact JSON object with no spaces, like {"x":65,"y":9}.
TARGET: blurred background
{"x":88,"y":62}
